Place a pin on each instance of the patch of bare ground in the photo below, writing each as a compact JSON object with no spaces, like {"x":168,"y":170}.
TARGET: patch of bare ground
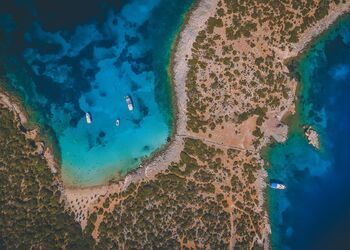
{"x":233,"y":91}
{"x":204,"y":9}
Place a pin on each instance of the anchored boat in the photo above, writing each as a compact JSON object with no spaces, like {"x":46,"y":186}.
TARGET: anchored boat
{"x":277,"y":185}
{"x":117,"y":122}
{"x":88,"y":118}
{"x":129,"y":103}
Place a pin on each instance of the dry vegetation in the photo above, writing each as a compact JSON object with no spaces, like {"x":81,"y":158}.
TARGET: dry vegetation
{"x":238,"y":89}
{"x":31,"y":212}
{"x":194,"y":203}
{"x":237,"y":83}
{"x":237,"y":68}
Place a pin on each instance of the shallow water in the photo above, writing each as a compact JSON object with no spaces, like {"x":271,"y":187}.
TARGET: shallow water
{"x":65,"y":59}
{"x":314,"y":211}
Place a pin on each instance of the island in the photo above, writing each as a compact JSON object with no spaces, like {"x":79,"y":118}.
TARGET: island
{"x":312,"y":136}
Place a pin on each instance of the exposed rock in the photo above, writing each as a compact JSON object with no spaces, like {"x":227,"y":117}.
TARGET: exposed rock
{"x":50,"y":159}
{"x":312,"y":136}
{"x":40,"y":147}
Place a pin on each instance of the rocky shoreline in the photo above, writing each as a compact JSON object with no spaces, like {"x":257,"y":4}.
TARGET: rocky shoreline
{"x":13,"y":106}
{"x":75,"y":197}
{"x":171,"y":152}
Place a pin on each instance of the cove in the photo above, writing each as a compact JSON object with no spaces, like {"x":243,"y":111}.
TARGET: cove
{"x":66,"y":58}
{"x":314,"y":211}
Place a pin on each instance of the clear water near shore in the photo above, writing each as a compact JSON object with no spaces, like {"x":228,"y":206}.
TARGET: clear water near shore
{"x":314,"y":211}
{"x":65,"y":60}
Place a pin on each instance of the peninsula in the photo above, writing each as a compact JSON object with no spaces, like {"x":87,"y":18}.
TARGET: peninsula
{"x":233,"y":89}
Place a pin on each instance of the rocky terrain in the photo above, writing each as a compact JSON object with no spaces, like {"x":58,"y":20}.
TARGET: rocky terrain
{"x":233,"y":87}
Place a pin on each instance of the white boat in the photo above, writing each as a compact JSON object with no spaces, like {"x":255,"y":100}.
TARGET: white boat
{"x":129,"y":102}
{"x":117,"y":122}
{"x":276,"y":185}
{"x":88,"y":118}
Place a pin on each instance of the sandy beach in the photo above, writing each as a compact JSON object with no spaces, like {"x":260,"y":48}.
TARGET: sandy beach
{"x":82,"y":200}
{"x":196,"y":22}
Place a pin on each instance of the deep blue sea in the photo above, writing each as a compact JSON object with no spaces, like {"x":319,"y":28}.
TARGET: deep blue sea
{"x":314,"y":211}
{"x":64,"y":58}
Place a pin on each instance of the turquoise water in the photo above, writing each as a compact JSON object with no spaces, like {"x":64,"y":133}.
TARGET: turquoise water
{"x":314,"y":211}
{"x":65,"y":59}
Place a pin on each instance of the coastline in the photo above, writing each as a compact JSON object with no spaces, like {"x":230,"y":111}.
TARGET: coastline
{"x":170,"y":152}
{"x":194,"y":21}
{"x":15,"y":106}
{"x":315,"y":32}
{"x":293,"y":58}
